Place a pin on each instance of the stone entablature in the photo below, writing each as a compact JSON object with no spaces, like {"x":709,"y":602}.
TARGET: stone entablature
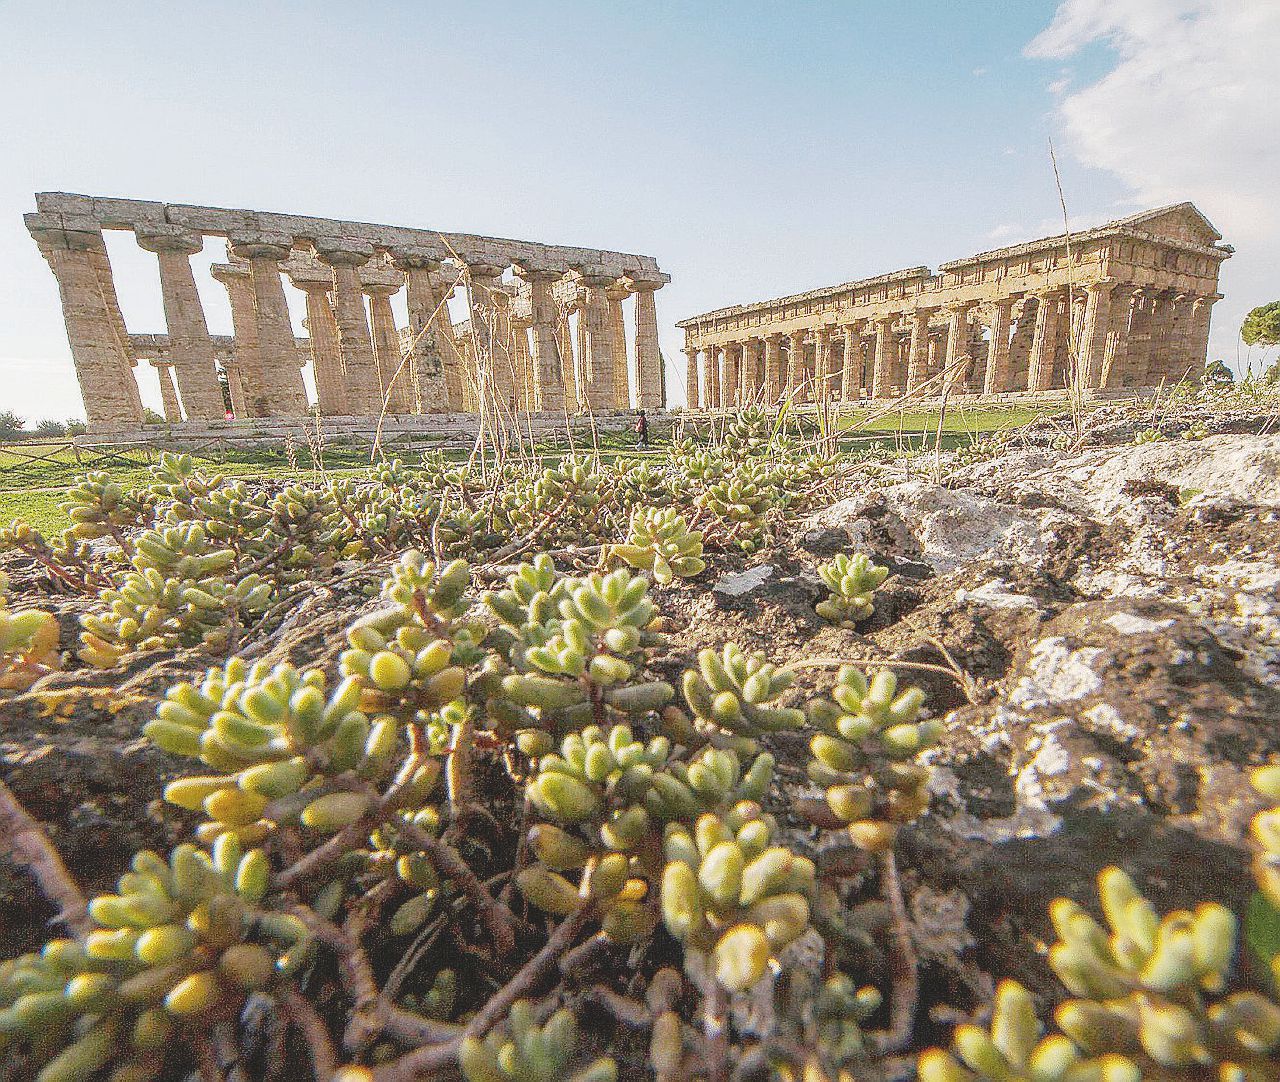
{"x":527,"y":352}
{"x":1126,"y":304}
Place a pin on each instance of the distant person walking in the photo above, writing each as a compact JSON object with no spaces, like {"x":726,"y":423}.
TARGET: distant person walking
{"x":642,"y":430}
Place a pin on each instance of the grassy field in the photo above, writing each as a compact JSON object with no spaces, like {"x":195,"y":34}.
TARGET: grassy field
{"x":34,"y":476}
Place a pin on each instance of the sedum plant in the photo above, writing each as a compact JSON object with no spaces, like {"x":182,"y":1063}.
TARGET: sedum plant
{"x":729,"y":893}
{"x":183,"y":591}
{"x":528,"y":1052}
{"x":733,"y":692}
{"x":28,"y":643}
{"x":181,"y":939}
{"x":1013,"y":1050}
{"x":661,"y":543}
{"x":851,"y":580}
{"x":275,"y":738}
{"x":864,"y":756}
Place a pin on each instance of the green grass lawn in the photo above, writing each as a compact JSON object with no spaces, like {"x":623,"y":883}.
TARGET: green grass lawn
{"x":962,"y":419}
{"x":34,"y":476}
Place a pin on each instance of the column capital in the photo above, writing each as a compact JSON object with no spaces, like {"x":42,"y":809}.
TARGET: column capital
{"x":380,"y":281}
{"x":485,"y":270}
{"x":417,"y":257}
{"x":638,"y":284}
{"x":773,"y":336}
{"x":1101,"y":285}
{"x":227,"y":272}
{"x":261,"y":245}
{"x":159,"y":362}
{"x":157,"y":237}
{"x":598,"y":275}
{"x":50,"y":234}
{"x":617,"y":292}
{"x":532,"y":272}
{"x":342,"y":253}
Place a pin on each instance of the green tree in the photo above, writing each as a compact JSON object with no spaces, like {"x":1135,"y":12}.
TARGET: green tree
{"x":50,"y":427}
{"x":1261,"y":327}
{"x":10,"y":424}
{"x":1217,"y":374}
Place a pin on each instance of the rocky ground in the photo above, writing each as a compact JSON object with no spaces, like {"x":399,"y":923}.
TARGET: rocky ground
{"x":1112,"y":615}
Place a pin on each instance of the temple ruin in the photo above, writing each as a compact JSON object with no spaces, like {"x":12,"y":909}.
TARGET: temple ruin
{"x":550,"y":337}
{"x":1125,"y":305}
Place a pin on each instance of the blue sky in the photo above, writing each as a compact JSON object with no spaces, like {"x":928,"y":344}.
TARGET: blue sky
{"x":755,"y":149}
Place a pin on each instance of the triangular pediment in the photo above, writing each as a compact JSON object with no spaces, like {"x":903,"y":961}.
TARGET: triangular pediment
{"x":1180,"y":222}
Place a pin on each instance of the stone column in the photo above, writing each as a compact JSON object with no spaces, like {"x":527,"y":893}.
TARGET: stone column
{"x":1174,"y":364}
{"x":547,"y":367}
{"x":103,"y":368}
{"x":1093,"y":332}
{"x":795,"y":366}
{"x":106,"y":283}
{"x":1020,"y":342}
{"x":380,"y":284}
{"x":580,"y":358}
{"x":1162,"y":314}
{"x":599,"y":376}
{"x":729,"y":376}
{"x":1134,"y":373}
{"x":853,"y":366}
{"x":1198,"y":336}
{"x":284,"y":393}
{"x":364,"y":397}
{"x":247,"y":380}
{"x":459,"y":378}
{"x":822,"y":365}
{"x":1116,"y":342}
{"x":711,"y":377}
{"x":957,"y":368}
{"x":918,"y":349}
{"x":749,"y":374}
{"x":615,"y":294}
{"x":997,"y":374}
{"x":322,"y":335}
{"x":882,"y":368}
{"x":651,"y":382}
{"x":775,"y":378}
{"x":522,"y":358}
{"x":431,"y":347}
{"x":168,"y":394}
{"x":190,"y":347}
{"x":691,"y":376}
{"x":1044,"y":344}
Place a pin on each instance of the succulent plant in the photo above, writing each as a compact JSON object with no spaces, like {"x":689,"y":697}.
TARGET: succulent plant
{"x":181,"y":938}
{"x":730,"y":893}
{"x":526,"y":1052}
{"x":183,"y":591}
{"x":736,"y":692}
{"x":28,"y":644}
{"x":869,"y":735}
{"x":852,"y":580}
{"x":275,"y":737}
{"x":661,"y":543}
{"x":1014,"y":1051}
{"x":99,"y":506}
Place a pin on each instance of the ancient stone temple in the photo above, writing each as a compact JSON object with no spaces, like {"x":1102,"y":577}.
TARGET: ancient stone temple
{"x":546,"y":330}
{"x":1125,"y":305}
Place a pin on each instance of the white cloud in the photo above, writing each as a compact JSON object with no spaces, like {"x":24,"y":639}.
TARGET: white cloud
{"x":978,"y":73}
{"x":1188,"y":111}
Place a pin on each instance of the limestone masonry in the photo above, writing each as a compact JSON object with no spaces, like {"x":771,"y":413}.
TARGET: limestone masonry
{"x":1125,"y":305}
{"x":517,"y":350}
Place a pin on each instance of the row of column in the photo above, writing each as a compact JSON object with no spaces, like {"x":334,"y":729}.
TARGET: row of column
{"x":359,"y":365}
{"x":1102,"y":335}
